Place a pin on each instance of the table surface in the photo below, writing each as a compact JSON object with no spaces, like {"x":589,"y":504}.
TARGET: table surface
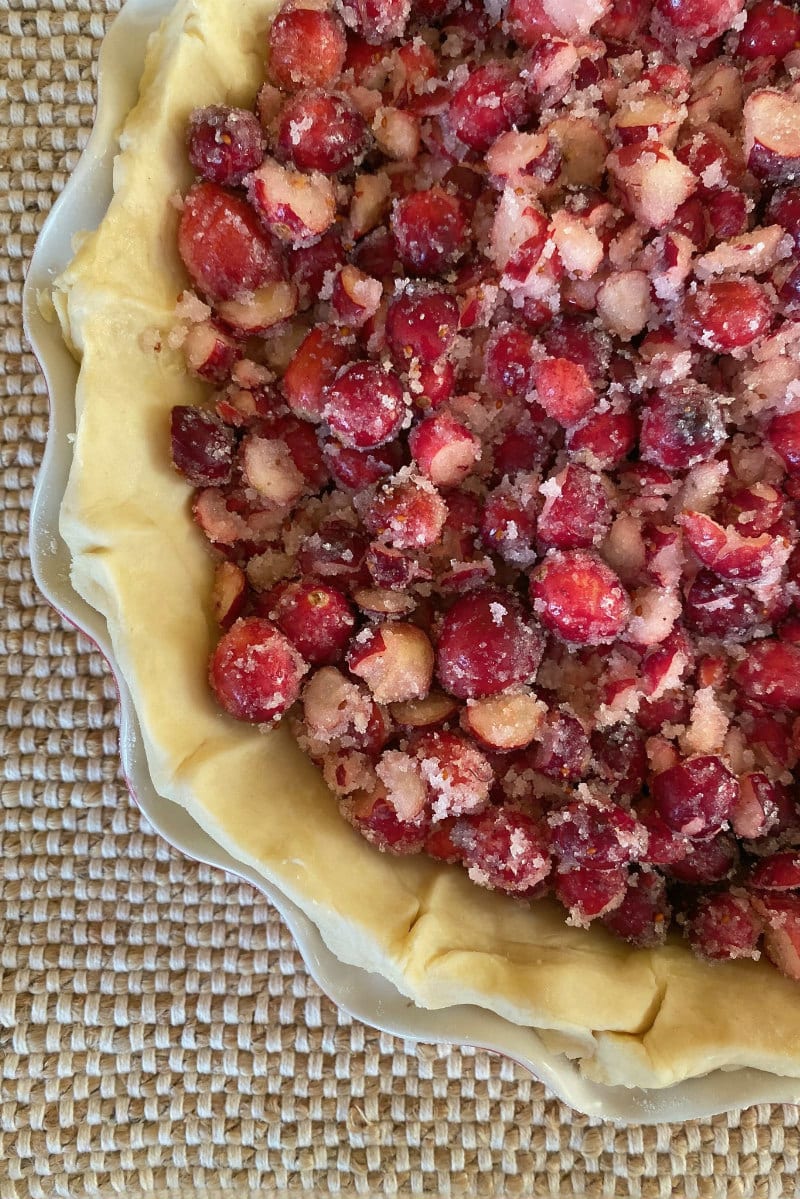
{"x":159,"y":1033}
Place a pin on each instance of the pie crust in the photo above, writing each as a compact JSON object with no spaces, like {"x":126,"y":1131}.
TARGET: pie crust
{"x":632,"y":1017}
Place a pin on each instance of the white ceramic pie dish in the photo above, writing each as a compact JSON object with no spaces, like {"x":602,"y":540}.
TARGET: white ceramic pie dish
{"x":367,"y":996}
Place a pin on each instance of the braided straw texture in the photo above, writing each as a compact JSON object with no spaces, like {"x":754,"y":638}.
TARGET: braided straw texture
{"x":159,"y":1034}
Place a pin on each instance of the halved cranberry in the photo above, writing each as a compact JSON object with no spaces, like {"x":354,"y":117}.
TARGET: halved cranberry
{"x":727,"y":210}
{"x":770,"y":674}
{"x":576,"y":512}
{"x":430,"y":231}
{"x":336,"y":551}
{"x":784,"y":209}
{"x":772,"y":30}
{"x":562,"y":750}
{"x":579,"y":598}
{"x":458,"y":776}
{"x":445,"y":450}
{"x":364,"y":406}
{"x":297,"y":208}
{"x":488,"y":103}
{"x":563,"y":390}
{"x":503,"y":849}
{"x":223,"y":245}
{"x":202,"y":446}
{"x":716,"y":607}
{"x":224,"y":144}
{"x":724,"y":926}
{"x":318,"y":131}
{"x":521,"y":449}
{"x":576,"y":338}
{"x":781,"y":916}
{"x":727,"y":314}
{"x":600,"y":835}
{"x":619,"y":758}
{"x":757,"y":811}
{"x":355,"y":470}
{"x":681,"y":426}
{"x":778,"y":872}
{"x":643,"y":917}
{"x":589,"y":892}
{"x":508,"y":525}
{"x":605,"y":438}
{"x":696,"y":797}
{"x":509,"y":361}
{"x":292,"y":34}
{"x":312,"y":369}
{"x":706,"y":862}
{"x":378,"y":822}
{"x":421,"y":325}
{"x":317,"y":618}
{"x":700,"y":19}
{"x":407,"y":513}
{"x":309,"y":265}
{"x":487,"y":645}
{"x":255,"y":671}
{"x":671,"y":708}
{"x":783,"y":435}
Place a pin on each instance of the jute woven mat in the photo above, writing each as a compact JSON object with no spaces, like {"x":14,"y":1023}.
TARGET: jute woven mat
{"x":159,"y":1034}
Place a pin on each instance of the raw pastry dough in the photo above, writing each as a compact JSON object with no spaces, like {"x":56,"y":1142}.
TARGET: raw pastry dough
{"x":633,"y":1017}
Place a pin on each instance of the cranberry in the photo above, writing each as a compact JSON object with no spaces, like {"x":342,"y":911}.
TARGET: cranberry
{"x":292,"y":33}
{"x":312,"y":369}
{"x":309,"y":265}
{"x":563,"y":750}
{"x":727,"y":314}
{"x":509,"y":361}
{"x":696,"y":797}
{"x":391,"y":568}
{"x":317,"y":619}
{"x":255,"y":671}
{"x":701,"y":19}
{"x":770,"y":674}
{"x":595,"y":834}
{"x":445,"y":450}
{"x":778,"y":872}
{"x":522,"y":448}
{"x":508,"y":526}
{"x":706,"y":862}
{"x":430,"y":231}
{"x":710,"y":160}
{"x":224,"y":144}
{"x":503,"y":849}
{"x":440,"y":844}
{"x":588,"y":892}
{"x":202,"y":446}
{"x":407,"y":513}
{"x":783,"y":435}
{"x":434,"y":385}
{"x":784,"y":209}
{"x":318,"y":131}
{"x":579,"y":598}
{"x":781,"y":915}
{"x":681,"y":427}
{"x":605,"y":438}
{"x":576,"y":512}
{"x":726,"y":210}
{"x":670,"y":708}
{"x":789,"y":291}
{"x":487,"y":645}
{"x":716,"y":607}
{"x":336,"y":551}
{"x":487,"y":104}
{"x":355,"y":470}
{"x":575,"y":338}
{"x":458,"y":776}
{"x":365,"y":406}
{"x":643,"y":917}
{"x":563,"y":390}
{"x":223,"y":246}
{"x":378,"y":822}
{"x":772,"y":30}
{"x":619,"y":758}
{"x":690,"y":219}
{"x":724,"y":926}
{"x":421,"y":325}
{"x":377,"y":20}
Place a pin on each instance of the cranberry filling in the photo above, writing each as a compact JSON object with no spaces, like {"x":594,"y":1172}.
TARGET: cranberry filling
{"x":500,"y":322}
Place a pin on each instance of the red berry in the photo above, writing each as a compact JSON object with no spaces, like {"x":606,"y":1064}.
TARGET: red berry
{"x":576,"y":512}
{"x":308,"y":265}
{"x":784,"y":209}
{"x":503,"y":849}
{"x":458,"y":776}
{"x":643,"y":917}
{"x":378,"y":822}
{"x":589,"y":893}
{"x":783,"y":434}
{"x":312,"y":369}
{"x":724,"y":926}
{"x":320,"y":132}
{"x":421,"y":325}
{"x":355,"y":470}
{"x":487,"y":645}
{"x":619,"y":758}
{"x":577,"y":339}
{"x":509,"y":362}
{"x":696,"y":797}
{"x":727,"y":314}
{"x":487,"y":104}
{"x":716,"y":607}
{"x":508,"y":525}
{"x":202,"y":446}
{"x":579,"y":598}
{"x":695,"y":18}
{"x":292,"y":35}
{"x":770,"y":674}
{"x":377,"y":20}
{"x":781,"y":916}
{"x":681,"y":427}
{"x":255,"y":671}
{"x":317,"y":619}
{"x":365,"y":406}
{"x":706,"y":862}
{"x":604,"y":439}
{"x":522,"y":448}
{"x":772,"y":30}
{"x":562,"y":750}
{"x":563,"y":390}
{"x":726,"y":210}
{"x":596,"y":835}
{"x":336,"y":551}
{"x":224,"y":144}
{"x":778,"y":872}
{"x":407,"y":513}
{"x":430,"y":231}
{"x":223,"y":245}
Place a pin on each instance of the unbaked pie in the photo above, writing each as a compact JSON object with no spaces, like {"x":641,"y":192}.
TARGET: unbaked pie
{"x":479,"y":334}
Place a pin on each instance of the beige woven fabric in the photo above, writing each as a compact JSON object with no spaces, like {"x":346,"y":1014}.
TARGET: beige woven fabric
{"x":159,"y":1034}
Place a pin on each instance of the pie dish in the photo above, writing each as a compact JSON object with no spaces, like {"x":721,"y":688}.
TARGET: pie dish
{"x":630,"y":1017}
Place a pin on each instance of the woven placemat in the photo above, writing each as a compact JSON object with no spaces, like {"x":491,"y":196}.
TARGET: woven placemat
{"x":159,"y":1034}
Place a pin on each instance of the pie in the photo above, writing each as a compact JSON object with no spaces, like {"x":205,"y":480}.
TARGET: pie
{"x":527,"y":293}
